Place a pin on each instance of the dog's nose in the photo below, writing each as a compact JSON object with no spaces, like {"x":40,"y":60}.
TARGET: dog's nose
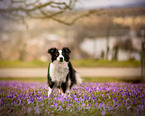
{"x":61,"y":59}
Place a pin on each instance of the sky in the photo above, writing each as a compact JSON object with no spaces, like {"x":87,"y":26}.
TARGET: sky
{"x":90,"y":4}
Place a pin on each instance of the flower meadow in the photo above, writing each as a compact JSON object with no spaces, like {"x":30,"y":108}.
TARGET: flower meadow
{"x":30,"y":98}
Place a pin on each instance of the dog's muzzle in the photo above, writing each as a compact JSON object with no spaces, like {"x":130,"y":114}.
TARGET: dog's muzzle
{"x":61,"y":59}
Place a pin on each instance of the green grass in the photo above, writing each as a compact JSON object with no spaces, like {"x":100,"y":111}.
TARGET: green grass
{"x":76,"y":63}
{"x":85,"y":79}
{"x":22,"y":64}
{"x":105,"y":63}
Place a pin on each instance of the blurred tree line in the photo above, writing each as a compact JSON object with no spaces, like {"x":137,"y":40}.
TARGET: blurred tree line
{"x":17,"y":42}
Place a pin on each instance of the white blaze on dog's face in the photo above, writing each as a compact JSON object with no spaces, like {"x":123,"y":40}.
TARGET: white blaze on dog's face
{"x":60,"y":58}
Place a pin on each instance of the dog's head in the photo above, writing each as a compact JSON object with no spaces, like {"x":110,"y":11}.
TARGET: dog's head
{"x":59,"y":55}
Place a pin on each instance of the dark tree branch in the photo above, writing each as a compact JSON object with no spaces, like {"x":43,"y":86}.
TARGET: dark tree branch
{"x":76,"y":18}
{"x":23,"y":9}
{"x":35,"y":7}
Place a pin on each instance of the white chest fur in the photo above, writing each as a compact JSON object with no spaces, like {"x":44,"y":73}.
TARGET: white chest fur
{"x":58,"y":71}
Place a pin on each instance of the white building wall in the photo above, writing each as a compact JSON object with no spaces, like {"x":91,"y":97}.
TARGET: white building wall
{"x":95,"y":47}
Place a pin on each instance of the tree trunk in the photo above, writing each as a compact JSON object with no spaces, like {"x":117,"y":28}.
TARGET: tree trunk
{"x":143,"y":62}
{"x":143,"y":57}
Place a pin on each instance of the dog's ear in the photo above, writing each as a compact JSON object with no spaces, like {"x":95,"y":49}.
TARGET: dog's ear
{"x":67,"y":50}
{"x":52,"y":50}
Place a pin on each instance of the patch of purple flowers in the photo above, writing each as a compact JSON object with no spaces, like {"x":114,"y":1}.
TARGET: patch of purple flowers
{"x":89,"y":98}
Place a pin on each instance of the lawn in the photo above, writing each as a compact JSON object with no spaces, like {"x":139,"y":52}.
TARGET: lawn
{"x":76,"y":63}
{"x":85,"y":79}
{"x":29,"y":97}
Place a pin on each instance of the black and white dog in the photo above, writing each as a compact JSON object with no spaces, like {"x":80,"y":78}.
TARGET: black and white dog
{"x":61,"y":74}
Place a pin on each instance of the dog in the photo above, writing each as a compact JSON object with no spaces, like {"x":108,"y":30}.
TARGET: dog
{"x":61,"y":73}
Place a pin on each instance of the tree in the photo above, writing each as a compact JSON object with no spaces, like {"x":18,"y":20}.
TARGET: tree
{"x":143,"y":56}
{"x":40,"y":9}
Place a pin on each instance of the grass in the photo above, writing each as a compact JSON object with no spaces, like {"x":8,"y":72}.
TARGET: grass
{"x":22,"y":64}
{"x":105,"y":63}
{"x":76,"y":63}
{"x":85,"y":79}
{"x":27,"y":98}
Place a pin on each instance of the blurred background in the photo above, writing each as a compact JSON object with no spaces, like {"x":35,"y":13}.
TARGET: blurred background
{"x":100,"y":33}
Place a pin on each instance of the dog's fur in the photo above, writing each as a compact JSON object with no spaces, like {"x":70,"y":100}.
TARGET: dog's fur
{"x":61,"y":74}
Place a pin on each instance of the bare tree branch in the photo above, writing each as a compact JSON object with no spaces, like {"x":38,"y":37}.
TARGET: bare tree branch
{"x":76,"y":18}
{"x":23,"y":9}
{"x":36,"y":7}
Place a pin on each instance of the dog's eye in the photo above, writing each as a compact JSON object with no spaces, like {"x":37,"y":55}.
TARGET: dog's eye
{"x":63,"y":53}
{"x":57,"y":54}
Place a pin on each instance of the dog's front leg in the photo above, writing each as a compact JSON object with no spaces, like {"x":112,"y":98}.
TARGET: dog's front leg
{"x":50,"y":91}
{"x":64,"y":89}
